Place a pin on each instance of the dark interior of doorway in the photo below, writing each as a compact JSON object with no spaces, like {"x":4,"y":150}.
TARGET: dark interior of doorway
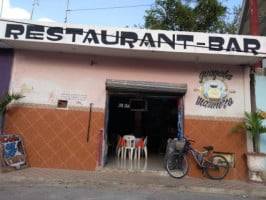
{"x":158,"y":121}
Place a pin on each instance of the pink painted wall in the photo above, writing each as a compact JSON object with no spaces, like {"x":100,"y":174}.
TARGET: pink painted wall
{"x":46,"y":77}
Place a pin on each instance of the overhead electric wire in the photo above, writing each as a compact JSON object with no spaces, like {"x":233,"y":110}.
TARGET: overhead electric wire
{"x":112,"y":7}
{"x":105,"y":8}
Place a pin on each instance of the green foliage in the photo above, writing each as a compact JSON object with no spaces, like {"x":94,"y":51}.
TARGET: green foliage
{"x":253,"y":126}
{"x":166,"y":15}
{"x":231,"y":26}
{"x":188,"y":15}
{"x":6,"y":98}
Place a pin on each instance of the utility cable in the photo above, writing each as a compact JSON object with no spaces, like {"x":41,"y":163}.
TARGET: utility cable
{"x":107,"y":8}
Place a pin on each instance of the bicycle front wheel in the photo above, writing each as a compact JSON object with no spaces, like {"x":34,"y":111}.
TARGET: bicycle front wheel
{"x":217,"y":167}
{"x":177,"y":165}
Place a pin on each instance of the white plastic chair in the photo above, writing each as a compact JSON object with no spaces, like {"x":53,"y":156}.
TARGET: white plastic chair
{"x":129,"y":145}
{"x":142,"y":148}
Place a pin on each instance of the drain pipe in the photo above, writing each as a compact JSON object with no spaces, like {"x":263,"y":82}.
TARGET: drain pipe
{"x":89,"y":123}
{"x":254,"y":30}
{"x":254,"y":17}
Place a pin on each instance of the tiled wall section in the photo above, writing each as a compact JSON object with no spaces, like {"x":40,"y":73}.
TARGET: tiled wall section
{"x":216,"y":132}
{"x":57,"y":138}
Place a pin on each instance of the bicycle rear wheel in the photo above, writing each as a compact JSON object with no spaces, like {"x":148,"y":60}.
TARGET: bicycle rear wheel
{"x":177,"y":165}
{"x":217,"y":167}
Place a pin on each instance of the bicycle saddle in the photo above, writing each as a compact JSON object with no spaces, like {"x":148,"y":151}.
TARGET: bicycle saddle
{"x":208,"y":148}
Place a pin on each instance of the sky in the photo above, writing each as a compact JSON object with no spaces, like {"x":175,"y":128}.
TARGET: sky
{"x":114,"y":13}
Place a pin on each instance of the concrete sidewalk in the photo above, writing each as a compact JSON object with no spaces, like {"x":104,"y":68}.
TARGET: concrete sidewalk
{"x":125,"y":178}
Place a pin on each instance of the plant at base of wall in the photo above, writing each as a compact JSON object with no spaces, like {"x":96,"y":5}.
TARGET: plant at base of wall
{"x":6,"y":98}
{"x":253,"y":126}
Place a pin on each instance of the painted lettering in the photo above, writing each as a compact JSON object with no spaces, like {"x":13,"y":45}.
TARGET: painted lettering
{"x":74,"y":32}
{"x":91,"y":36}
{"x":55,"y":33}
{"x":14,"y":30}
{"x":162,"y":38}
{"x":128,"y":38}
{"x":214,"y":104}
{"x":185,"y":39}
{"x":216,"y":43}
{"x":251,"y":45}
{"x":233,"y":45}
{"x":35,"y":32}
{"x":131,"y":39}
{"x":104,"y":38}
{"x":147,"y":40}
{"x":213,"y":74}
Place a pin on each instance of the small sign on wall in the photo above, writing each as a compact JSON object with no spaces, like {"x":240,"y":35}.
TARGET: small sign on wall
{"x":12,"y":152}
{"x":214,"y":92}
{"x":74,"y":98}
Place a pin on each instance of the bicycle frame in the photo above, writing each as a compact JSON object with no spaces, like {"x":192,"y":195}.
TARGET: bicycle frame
{"x":194,"y":152}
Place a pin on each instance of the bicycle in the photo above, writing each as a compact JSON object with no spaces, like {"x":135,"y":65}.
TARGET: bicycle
{"x":177,"y":164}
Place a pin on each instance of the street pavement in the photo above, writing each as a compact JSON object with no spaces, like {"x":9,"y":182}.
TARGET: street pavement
{"x":133,"y":179}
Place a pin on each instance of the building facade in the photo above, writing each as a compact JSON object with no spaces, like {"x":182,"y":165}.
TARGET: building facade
{"x":85,"y":85}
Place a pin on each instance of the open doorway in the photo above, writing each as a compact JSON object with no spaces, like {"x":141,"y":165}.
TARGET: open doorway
{"x":152,"y":110}
{"x":154,"y":117}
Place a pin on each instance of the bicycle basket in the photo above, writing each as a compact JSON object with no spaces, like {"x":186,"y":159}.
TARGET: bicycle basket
{"x":179,"y":145}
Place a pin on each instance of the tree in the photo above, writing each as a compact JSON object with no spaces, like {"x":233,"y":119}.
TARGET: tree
{"x":188,"y":15}
{"x":232,"y":26}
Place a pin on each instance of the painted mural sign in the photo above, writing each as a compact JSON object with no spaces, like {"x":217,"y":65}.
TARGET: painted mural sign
{"x":172,"y":41}
{"x":214,"y":92}
{"x":12,"y":152}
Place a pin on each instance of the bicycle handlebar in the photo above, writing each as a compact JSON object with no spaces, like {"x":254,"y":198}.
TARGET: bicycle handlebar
{"x":189,"y":140}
